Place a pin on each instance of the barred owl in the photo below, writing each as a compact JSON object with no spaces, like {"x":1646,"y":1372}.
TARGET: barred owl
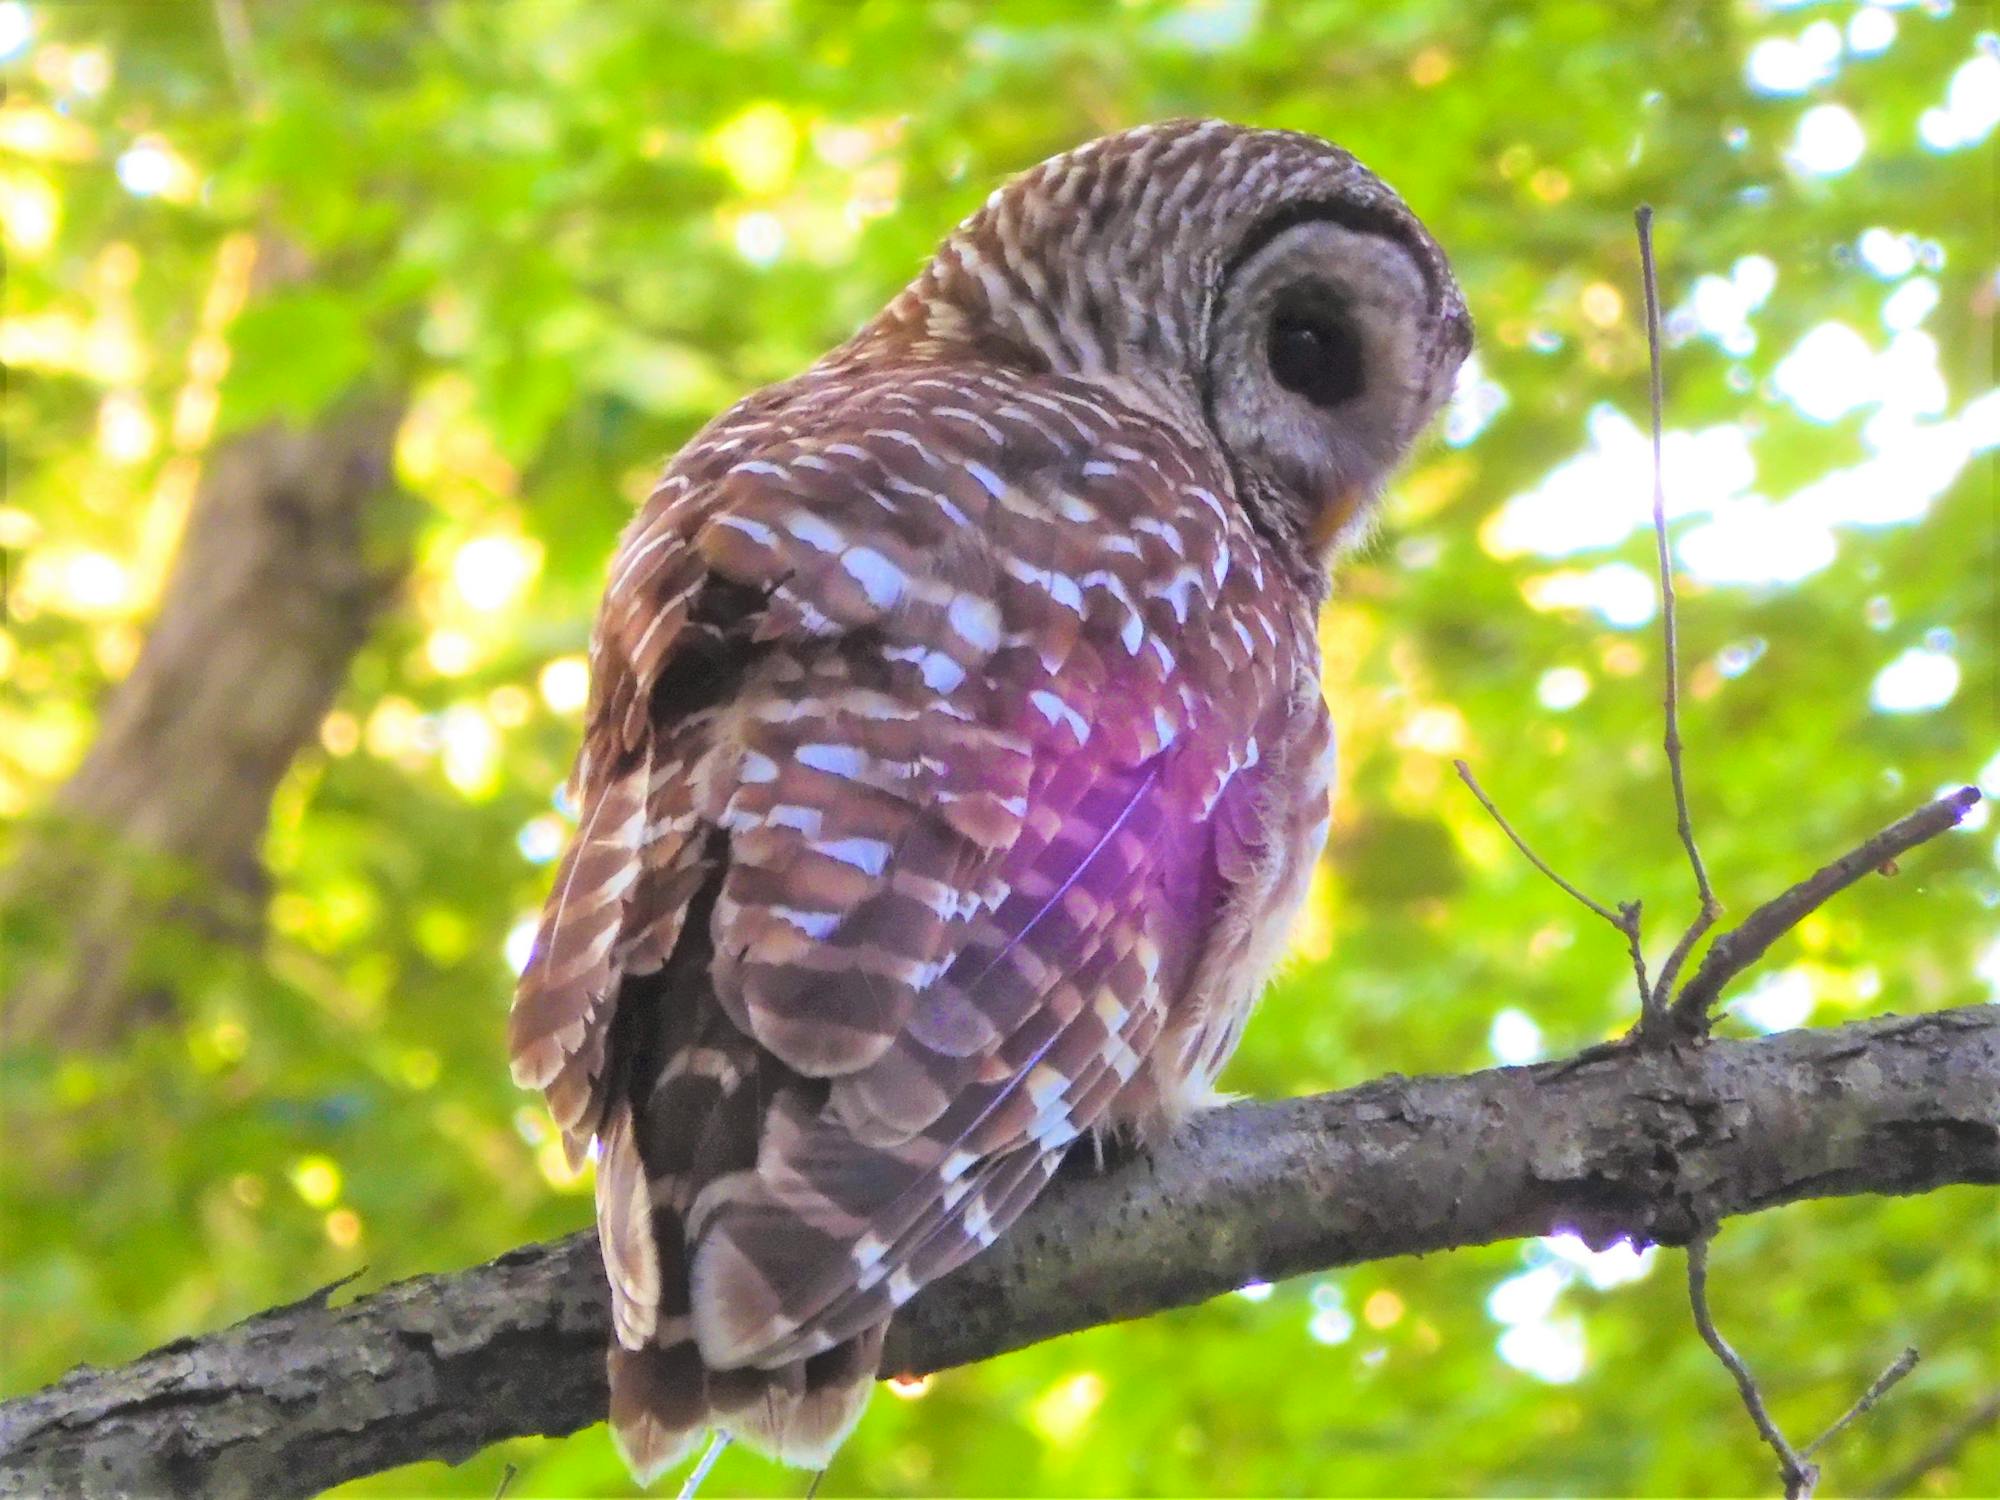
{"x":956,"y":757}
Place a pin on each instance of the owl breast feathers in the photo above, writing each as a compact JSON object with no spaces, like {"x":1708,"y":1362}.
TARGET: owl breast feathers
{"x":956,"y":757}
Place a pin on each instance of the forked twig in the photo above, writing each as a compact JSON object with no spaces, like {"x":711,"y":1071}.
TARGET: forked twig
{"x":1884,"y":1383}
{"x":1799,"y":1476}
{"x":1740,"y":947}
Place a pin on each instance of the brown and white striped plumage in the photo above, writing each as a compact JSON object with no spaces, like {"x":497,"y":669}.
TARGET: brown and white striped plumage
{"x":956,"y":755}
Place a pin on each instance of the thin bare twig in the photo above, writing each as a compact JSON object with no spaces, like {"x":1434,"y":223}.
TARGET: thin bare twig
{"x":1941,"y":1451}
{"x":1670,"y":631}
{"x":1625,"y":918}
{"x":1884,"y":1383}
{"x":1633,"y":912}
{"x":1616,"y":919}
{"x":506,"y":1482}
{"x":1740,"y":947}
{"x":1798,"y":1475}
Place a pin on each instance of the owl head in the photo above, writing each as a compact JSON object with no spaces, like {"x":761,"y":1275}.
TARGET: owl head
{"x":1260,"y":288}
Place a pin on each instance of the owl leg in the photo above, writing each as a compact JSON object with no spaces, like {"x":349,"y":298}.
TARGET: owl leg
{"x":692,"y":1484}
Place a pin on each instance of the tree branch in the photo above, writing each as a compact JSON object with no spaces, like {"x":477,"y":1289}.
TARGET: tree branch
{"x":1940,"y":1451}
{"x":1649,"y":1143}
{"x":1741,"y":946}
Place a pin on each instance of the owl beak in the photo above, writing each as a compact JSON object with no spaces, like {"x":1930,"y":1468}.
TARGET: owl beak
{"x":1334,"y":516}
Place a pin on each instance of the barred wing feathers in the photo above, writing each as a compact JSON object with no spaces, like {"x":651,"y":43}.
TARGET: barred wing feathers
{"x":897,"y":857}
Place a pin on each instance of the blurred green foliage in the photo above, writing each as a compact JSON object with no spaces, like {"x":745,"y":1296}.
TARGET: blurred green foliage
{"x":574,"y":229}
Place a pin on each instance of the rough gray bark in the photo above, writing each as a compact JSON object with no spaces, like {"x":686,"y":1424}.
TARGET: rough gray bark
{"x":271,"y":594}
{"x":1655,"y":1144}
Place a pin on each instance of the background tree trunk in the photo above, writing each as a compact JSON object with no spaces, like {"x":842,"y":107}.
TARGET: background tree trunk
{"x":283,"y":568}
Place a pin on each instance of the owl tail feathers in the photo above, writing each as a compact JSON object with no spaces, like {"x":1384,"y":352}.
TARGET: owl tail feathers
{"x":658,"y":1407}
{"x":662,"y":1400}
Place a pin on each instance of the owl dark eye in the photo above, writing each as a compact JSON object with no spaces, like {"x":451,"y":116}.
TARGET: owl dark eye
{"x":1317,"y":355}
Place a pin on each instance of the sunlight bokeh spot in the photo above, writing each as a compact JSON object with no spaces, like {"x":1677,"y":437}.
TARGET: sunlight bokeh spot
{"x":1553,"y":1350}
{"x":340,"y":733}
{"x":1430,"y":67}
{"x":150,"y":168}
{"x":393,"y":728}
{"x":1792,"y":65}
{"x":1476,"y":399}
{"x":1622,"y":594}
{"x":343,"y":1227}
{"x":450,"y":653}
{"x":81,"y":582}
{"x":316,"y":1179}
{"x":520,"y":942}
{"x":1330,"y":1325}
{"x":18,"y":529}
{"x":1738,"y":657}
{"x":471,"y":749}
{"x":759,"y":237}
{"x":510,"y":705}
{"x":1526,"y":1296}
{"x":1909,"y":304}
{"x":1828,"y":373}
{"x":1618,"y":1264}
{"x":1602,"y":495}
{"x":1331,"y":1322}
{"x":1752,"y":541}
{"x":1311,"y":938}
{"x":1514,"y":1038}
{"x":1987,"y":967}
{"x":17,"y":28}
{"x":553,"y":1163}
{"x":1602,"y":304}
{"x":30,"y":212}
{"x":757,"y":148}
{"x":1563,"y":688}
{"x":1777,"y":1002}
{"x":1870,"y":30}
{"x":1438,"y":729}
{"x":1971,"y":108}
{"x":1383,"y":1309}
{"x":1915,"y":682}
{"x":126,"y":431}
{"x":491,"y":572}
{"x":541,"y":839}
{"x":1888,"y":255}
{"x":1988,"y":779}
{"x":565,"y":684}
{"x":1062,"y":1413}
{"x":30,"y":130}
